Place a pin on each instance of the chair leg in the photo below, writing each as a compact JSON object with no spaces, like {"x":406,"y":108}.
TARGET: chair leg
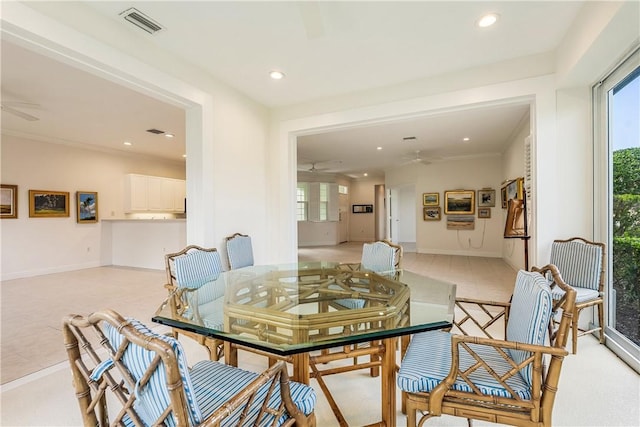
{"x":601,"y":320}
{"x":574,"y":332}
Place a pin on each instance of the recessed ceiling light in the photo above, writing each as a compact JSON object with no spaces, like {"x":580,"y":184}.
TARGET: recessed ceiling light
{"x":379,"y":148}
{"x":366,"y":174}
{"x":466,"y":139}
{"x":127,"y":143}
{"x":184,"y":155}
{"x":488,"y":20}
{"x":276,"y":75}
{"x":169,"y":135}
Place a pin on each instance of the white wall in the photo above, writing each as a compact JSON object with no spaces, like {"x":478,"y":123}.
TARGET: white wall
{"x":362,"y":226}
{"x":512,"y":250}
{"x":470,"y":174}
{"x":226,"y":132}
{"x":32,"y":246}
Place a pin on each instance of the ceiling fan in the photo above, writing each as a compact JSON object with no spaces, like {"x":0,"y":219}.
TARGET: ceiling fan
{"x":313,"y":167}
{"x":14,"y":107}
{"x":418,"y":159}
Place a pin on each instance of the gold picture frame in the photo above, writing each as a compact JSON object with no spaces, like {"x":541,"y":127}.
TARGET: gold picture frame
{"x":431,"y":213}
{"x":44,"y":203}
{"x":430,"y":199}
{"x":512,"y":189}
{"x":460,"y":202}
{"x":8,"y":201}
{"x":86,"y":206}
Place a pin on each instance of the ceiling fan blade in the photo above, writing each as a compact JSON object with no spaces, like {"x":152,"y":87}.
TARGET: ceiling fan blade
{"x":19,"y":113}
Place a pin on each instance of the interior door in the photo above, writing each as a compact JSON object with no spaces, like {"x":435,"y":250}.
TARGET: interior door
{"x":394,"y":212}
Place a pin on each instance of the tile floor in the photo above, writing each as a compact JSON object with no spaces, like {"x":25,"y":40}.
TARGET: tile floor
{"x":596,"y":388}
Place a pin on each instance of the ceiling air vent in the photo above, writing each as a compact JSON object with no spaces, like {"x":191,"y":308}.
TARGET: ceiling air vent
{"x":141,"y":20}
{"x":156,"y":131}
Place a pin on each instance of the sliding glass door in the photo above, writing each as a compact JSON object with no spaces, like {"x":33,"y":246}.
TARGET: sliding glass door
{"x":617,"y":104}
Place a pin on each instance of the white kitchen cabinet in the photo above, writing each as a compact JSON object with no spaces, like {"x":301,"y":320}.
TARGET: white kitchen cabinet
{"x":145,"y":193}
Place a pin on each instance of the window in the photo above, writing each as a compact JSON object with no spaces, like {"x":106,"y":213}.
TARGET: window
{"x":317,"y":201}
{"x":324,"y":202}
{"x":302,"y":201}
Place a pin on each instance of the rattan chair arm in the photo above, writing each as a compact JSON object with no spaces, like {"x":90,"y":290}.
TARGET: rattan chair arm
{"x":484,"y":302}
{"x":513,"y":345}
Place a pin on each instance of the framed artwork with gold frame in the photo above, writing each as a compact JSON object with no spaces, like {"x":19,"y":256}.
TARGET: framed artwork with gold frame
{"x":8,"y":201}
{"x":430,"y":199}
{"x":44,"y":203}
{"x":460,"y":202}
{"x":86,"y":206}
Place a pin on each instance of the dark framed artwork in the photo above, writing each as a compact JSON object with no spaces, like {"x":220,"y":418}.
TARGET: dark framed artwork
{"x":86,"y":206}
{"x":431,"y":213}
{"x":459,"y":202}
{"x":362,"y":209}
{"x":8,"y":201}
{"x":44,"y":203}
{"x":486,"y":198}
{"x":430,"y":199}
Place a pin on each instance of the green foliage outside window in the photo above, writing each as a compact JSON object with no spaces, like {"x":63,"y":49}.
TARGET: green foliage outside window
{"x":626,"y":239}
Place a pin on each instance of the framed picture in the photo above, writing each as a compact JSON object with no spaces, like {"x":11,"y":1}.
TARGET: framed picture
{"x":431,"y":199}
{"x":87,"y":206}
{"x":461,"y":222}
{"x":431,"y":213}
{"x":461,"y":202}
{"x":362,"y":209}
{"x":8,"y":201}
{"x":484,"y":212}
{"x":513,"y":189}
{"x":48,"y":203}
{"x":486,"y":198}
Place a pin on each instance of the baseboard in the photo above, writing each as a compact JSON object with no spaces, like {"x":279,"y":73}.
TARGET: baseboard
{"x":50,"y":270}
{"x":485,"y":254}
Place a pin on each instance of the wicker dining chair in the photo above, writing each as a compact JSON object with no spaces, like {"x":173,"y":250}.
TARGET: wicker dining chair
{"x":126,"y":375}
{"x":582,"y":265}
{"x":495,"y":380}
{"x":239,"y":251}
{"x":187,"y":271}
{"x":382,"y":257}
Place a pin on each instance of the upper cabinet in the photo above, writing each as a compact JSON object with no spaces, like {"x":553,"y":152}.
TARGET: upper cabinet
{"x":145,"y":193}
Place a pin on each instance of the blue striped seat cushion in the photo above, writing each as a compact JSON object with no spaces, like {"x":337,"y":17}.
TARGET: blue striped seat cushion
{"x":578,"y":263}
{"x":215,"y":383}
{"x":428,"y":361}
{"x":582,"y":294}
{"x":529,"y":315}
{"x":152,"y":400}
{"x":240,"y":252}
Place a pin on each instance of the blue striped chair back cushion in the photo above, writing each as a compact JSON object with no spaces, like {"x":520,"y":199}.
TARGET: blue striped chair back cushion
{"x":240,"y":252}
{"x":153,"y":399}
{"x":215,"y":383}
{"x":378,"y":257}
{"x":428,"y":361}
{"x":529,"y":315}
{"x":196,"y":268}
{"x":578,"y":263}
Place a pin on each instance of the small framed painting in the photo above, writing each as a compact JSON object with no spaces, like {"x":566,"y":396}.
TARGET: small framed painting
{"x":44,"y":203}
{"x":430,"y":199}
{"x":86,"y":206}
{"x":431,"y":213}
{"x":8,"y":201}
{"x":484,"y":212}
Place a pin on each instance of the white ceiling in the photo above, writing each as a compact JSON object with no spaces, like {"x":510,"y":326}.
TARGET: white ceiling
{"x":324,"y":48}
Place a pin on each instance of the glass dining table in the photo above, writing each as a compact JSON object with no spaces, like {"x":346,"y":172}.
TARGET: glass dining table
{"x":302,"y":312}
